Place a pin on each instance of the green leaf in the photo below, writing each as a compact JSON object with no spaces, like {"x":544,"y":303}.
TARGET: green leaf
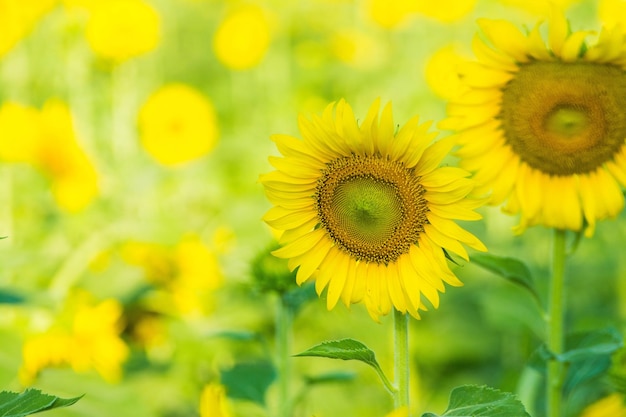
{"x":348,"y":349}
{"x":511,"y":269}
{"x":473,"y":400}
{"x":31,"y":401}
{"x":587,"y":345}
{"x":9,"y":297}
{"x":249,"y":380}
{"x":345,"y":349}
{"x":338,"y":376}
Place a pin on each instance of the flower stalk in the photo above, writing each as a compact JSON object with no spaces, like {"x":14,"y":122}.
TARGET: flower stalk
{"x":554,"y":384}
{"x":284,"y":319}
{"x":401,"y":359}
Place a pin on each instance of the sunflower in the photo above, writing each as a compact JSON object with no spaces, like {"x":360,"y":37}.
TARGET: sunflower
{"x":367,"y":212}
{"x":542,"y":124}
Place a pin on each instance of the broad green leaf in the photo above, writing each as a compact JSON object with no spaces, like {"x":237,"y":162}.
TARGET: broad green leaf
{"x":473,"y":400}
{"x":9,"y":297}
{"x":509,"y":268}
{"x":338,"y":376}
{"x":249,"y":380}
{"x":31,"y":401}
{"x":345,"y":349}
{"x":348,"y":349}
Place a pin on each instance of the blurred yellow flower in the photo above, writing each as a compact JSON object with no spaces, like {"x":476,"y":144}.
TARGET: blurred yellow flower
{"x":612,"y":12}
{"x":446,"y":11}
{"x":47,"y":140}
{"x":85,"y":336}
{"x":19,"y":132}
{"x":540,"y":7}
{"x":389,"y":13}
{"x":59,"y":156}
{"x":122,"y":29}
{"x":177,"y":124}
{"x":358,"y":49}
{"x":243,"y":37}
{"x":17,"y":18}
{"x":185,"y":275}
{"x":442,"y":72}
{"x":609,"y":406}
{"x":213,"y":402}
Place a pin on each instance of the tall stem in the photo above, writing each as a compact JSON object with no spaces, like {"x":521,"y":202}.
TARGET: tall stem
{"x":401,"y":358}
{"x":555,"y":326}
{"x":284,"y":318}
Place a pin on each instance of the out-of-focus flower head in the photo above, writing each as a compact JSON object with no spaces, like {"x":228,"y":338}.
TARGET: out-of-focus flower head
{"x":609,"y":406}
{"x":185,"y":275}
{"x":612,"y":12}
{"x":59,"y":156}
{"x":47,"y":140}
{"x":358,"y":49}
{"x":17,"y":19}
{"x":540,"y":7}
{"x":177,"y":124}
{"x":213,"y":401}
{"x":121,"y":29}
{"x":84,"y":336}
{"x":442,"y":73}
{"x":242,"y":38}
{"x":389,"y":13}
{"x":446,"y":11}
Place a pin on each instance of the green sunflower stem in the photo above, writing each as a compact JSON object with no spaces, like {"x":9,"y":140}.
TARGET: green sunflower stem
{"x":401,"y":359}
{"x":284,"y":319}
{"x":554,"y":386}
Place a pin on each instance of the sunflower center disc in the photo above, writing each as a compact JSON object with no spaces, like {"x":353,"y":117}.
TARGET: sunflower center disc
{"x":371,"y":207}
{"x":367,"y":209}
{"x":565,"y":118}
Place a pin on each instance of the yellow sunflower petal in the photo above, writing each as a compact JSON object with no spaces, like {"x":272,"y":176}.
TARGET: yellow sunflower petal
{"x":505,"y":37}
{"x":313,"y":259}
{"x":301,"y":245}
{"x":394,"y":288}
{"x":338,"y":281}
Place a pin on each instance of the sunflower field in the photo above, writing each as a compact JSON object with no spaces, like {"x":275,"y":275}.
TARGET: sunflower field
{"x":316,"y":208}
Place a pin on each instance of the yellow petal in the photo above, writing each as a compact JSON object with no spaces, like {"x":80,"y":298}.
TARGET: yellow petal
{"x":301,"y":245}
{"x":313,"y":260}
{"x":433,"y":155}
{"x":505,"y":37}
{"x":338,"y":281}
{"x":394,"y":288}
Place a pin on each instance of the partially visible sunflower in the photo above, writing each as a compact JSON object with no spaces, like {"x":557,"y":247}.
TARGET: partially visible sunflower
{"x":542,"y":124}
{"x":612,"y":405}
{"x":369,"y":209}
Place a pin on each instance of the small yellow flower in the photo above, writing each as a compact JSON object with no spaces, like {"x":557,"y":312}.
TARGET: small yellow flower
{"x":442,"y":74}
{"x":612,"y":12}
{"x":47,"y":140}
{"x":17,"y":18}
{"x":243,"y":38}
{"x":389,"y":13}
{"x":85,"y":336}
{"x":59,"y":156}
{"x":186,"y":275}
{"x":542,"y":125}
{"x":213,"y":402}
{"x":121,"y":29}
{"x":609,"y":406}
{"x":19,"y":132}
{"x":358,"y":49}
{"x":446,"y":11}
{"x":367,"y":212}
{"x":177,"y":125}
